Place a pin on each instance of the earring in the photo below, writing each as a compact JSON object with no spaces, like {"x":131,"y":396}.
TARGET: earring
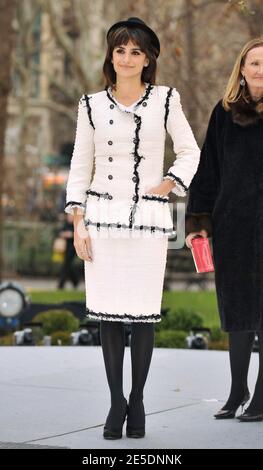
{"x":242,"y":81}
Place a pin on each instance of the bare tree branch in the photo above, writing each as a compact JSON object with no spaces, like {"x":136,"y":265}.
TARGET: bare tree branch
{"x":60,"y":109}
{"x":7,"y":12}
{"x":22,"y":70}
{"x":64,"y":41}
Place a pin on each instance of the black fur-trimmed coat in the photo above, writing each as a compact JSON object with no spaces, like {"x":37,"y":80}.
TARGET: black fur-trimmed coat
{"x":226,"y":198}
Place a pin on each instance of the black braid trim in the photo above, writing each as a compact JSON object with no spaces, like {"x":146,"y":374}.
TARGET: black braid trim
{"x":99,"y":195}
{"x":87,"y":98}
{"x":176,"y":178}
{"x":118,"y":225}
{"x":137,"y":159}
{"x":167,"y":102}
{"x":155,"y":198}
{"x":71,"y":203}
{"x":110,"y":97}
{"x":134,"y":318}
{"x":146,"y":95}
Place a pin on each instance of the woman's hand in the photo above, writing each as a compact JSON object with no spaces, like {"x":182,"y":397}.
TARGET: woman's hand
{"x":189,"y":238}
{"x":82,"y":240}
{"x":163,"y":188}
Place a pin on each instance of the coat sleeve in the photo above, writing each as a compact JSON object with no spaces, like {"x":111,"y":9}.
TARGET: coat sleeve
{"x":184,"y":145}
{"x":204,"y":188}
{"x":82,"y":159}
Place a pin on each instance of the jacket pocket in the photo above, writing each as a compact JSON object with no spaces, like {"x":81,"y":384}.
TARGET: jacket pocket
{"x":153,"y":212}
{"x":90,"y":192}
{"x":155,"y":197}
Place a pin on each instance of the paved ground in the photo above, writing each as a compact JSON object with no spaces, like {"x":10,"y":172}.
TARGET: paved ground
{"x":57,"y":397}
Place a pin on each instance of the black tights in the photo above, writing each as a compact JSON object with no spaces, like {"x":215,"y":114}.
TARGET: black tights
{"x":113,"y":345}
{"x":240,"y":347}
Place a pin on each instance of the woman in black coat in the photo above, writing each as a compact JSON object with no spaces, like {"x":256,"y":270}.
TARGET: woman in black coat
{"x":226,"y":201}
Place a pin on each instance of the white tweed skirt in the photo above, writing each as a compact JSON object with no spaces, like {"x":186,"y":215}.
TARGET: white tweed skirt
{"x":124,"y":280}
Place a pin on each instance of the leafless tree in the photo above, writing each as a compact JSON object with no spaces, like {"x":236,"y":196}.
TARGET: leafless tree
{"x":253,"y":17}
{"x":190,"y":33}
{"x":26,"y":14}
{"x":7,"y":10}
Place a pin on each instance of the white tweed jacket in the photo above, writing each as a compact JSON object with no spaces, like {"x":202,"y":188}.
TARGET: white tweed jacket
{"x":125,"y":146}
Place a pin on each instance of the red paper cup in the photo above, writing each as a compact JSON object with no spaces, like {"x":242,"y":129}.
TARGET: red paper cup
{"x":202,"y":255}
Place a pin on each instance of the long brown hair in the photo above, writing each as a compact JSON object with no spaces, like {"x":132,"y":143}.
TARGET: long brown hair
{"x":233,"y":89}
{"x":139,"y":37}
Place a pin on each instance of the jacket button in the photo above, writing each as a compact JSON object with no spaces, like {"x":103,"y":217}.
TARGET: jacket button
{"x":134,"y":198}
{"x":135,"y":141}
{"x":134,"y":179}
{"x":111,"y":121}
{"x":112,"y":106}
{"x":110,"y":159}
{"x":137,"y":120}
{"x":144,"y":104}
{"x":110,"y":142}
{"x":110,"y":177}
{"x":110,"y":197}
{"x":136,"y":159}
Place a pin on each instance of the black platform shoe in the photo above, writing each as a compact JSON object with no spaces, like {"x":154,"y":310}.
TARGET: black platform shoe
{"x":231,"y":413}
{"x":115,"y":433}
{"x":135,"y":429}
{"x":248,"y":417}
{"x":135,"y":433}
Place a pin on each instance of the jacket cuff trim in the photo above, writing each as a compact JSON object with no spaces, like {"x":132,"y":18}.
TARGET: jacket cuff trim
{"x":167,"y":103}
{"x":71,"y":204}
{"x":173,"y":177}
{"x":125,"y":317}
{"x":87,"y":98}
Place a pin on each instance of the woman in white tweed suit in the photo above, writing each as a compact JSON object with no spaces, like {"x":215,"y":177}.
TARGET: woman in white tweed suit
{"x":122,"y":219}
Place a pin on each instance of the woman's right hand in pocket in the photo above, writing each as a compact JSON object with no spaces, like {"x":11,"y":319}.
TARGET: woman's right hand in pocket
{"x":82,"y":240}
{"x":189,"y":238}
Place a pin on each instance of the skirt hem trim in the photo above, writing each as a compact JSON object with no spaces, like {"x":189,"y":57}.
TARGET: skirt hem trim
{"x":125,"y":317}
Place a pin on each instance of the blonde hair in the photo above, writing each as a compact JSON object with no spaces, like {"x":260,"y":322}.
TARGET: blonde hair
{"x":233,"y":89}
